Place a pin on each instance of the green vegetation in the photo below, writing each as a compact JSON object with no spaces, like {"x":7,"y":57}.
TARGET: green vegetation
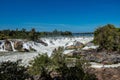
{"x":58,"y":63}
{"x":31,"y":35}
{"x":108,"y":38}
{"x":41,"y":62}
{"x":56,"y":67}
{"x":13,"y":71}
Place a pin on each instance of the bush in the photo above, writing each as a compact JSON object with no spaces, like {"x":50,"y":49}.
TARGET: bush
{"x":75,"y":73}
{"x":13,"y":71}
{"x":58,"y":63}
{"x":108,"y":38}
{"x":42,"y":61}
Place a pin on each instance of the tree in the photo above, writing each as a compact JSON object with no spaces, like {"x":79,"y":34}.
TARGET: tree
{"x":108,"y":38}
{"x":3,"y":36}
{"x":33,"y":36}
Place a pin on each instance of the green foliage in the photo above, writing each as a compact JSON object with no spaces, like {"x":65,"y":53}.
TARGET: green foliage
{"x":73,"y":68}
{"x":75,"y":73}
{"x":43,"y":65}
{"x":108,"y":38}
{"x":42,"y":61}
{"x":32,"y":34}
{"x":13,"y":71}
{"x":58,"y":57}
{"x":2,"y":37}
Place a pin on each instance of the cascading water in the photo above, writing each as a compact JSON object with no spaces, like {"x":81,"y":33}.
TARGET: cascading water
{"x":12,"y":45}
{"x":2,"y":46}
{"x":38,"y":47}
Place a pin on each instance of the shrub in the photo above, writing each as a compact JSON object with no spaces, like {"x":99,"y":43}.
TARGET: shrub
{"x":108,"y":38}
{"x":42,"y":61}
{"x":13,"y":71}
{"x":57,"y":63}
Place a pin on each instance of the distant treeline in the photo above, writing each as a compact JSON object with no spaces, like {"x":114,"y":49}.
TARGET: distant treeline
{"x":84,"y":34}
{"x":31,"y":34}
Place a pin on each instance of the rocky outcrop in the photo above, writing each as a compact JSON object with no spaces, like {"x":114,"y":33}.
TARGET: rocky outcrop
{"x":75,"y":45}
{"x":8,"y":45}
{"x":106,"y":73}
{"x":89,"y":46}
{"x":18,"y":45}
{"x":42,"y":42}
{"x":94,"y":56}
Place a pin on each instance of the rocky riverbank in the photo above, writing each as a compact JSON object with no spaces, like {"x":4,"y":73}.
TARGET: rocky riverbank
{"x":102,"y":57}
{"x":73,"y":46}
{"x":106,"y":73}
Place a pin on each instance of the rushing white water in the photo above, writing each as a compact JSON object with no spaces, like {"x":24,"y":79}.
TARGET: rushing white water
{"x":2,"y":46}
{"x":40,"y":48}
{"x":87,"y":47}
{"x":97,"y":65}
{"x":12,"y":45}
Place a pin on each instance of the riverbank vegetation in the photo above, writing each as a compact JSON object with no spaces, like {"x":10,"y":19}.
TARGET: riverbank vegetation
{"x":31,"y":35}
{"x":108,"y":38}
{"x":55,"y":67}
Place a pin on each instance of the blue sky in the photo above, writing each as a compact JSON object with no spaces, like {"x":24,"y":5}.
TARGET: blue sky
{"x":47,"y":15}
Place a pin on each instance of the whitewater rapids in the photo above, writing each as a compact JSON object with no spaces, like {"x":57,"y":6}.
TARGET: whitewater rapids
{"x":53,"y":43}
{"x":41,"y":49}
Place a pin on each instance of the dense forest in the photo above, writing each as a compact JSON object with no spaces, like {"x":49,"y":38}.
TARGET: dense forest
{"x":31,"y":35}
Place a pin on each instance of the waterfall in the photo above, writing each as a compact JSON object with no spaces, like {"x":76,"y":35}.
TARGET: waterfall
{"x":2,"y":46}
{"x":26,"y":46}
{"x":12,"y":45}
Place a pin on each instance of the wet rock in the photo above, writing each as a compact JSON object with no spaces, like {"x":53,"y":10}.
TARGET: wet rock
{"x":52,"y":42}
{"x":42,"y":42}
{"x":0,"y":43}
{"x":75,"y":45}
{"x":25,"y":50}
{"x":18,"y":45}
{"x":115,"y":60}
{"x":92,"y":59}
{"x":8,"y":46}
{"x":90,"y":44}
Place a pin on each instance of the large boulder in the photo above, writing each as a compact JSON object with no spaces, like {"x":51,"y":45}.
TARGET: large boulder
{"x":18,"y":45}
{"x":8,"y":46}
{"x":42,"y":42}
{"x":90,"y":45}
{"x":75,"y":45}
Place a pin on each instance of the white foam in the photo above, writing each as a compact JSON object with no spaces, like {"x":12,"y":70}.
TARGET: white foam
{"x":40,"y":48}
{"x":97,"y":65}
